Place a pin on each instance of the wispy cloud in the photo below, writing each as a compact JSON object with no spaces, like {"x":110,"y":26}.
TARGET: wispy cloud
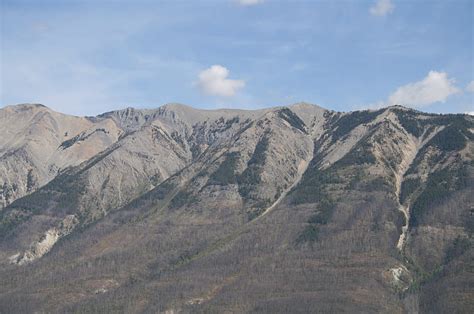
{"x":470,"y":87}
{"x":250,"y":2}
{"x":89,"y":66}
{"x":382,"y":8}
{"x":214,"y":81}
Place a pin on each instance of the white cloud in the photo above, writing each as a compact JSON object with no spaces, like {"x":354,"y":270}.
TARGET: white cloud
{"x":250,"y":2}
{"x":470,"y":113}
{"x":435,"y":87}
{"x":382,"y":8}
{"x":214,"y":81}
{"x":470,"y":87}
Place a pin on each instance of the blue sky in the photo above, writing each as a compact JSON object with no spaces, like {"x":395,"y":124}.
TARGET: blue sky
{"x":87,"y":57}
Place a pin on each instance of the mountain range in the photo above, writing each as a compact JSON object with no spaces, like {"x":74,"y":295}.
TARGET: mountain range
{"x":281,"y":210}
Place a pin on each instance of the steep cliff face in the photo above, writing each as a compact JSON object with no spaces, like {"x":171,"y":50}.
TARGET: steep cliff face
{"x":277,"y":210}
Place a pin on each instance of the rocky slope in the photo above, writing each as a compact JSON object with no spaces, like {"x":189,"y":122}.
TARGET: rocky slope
{"x":38,"y":143}
{"x":286,"y":209}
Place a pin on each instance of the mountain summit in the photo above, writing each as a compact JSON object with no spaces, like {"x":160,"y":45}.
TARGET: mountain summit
{"x":286,"y":209}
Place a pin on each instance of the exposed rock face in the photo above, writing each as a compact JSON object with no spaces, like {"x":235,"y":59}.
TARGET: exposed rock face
{"x":284,"y":209}
{"x":37,"y":143}
{"x":46,"y":242}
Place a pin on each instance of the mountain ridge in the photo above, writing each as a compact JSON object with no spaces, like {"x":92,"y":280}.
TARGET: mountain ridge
{"x":219,"y":196}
